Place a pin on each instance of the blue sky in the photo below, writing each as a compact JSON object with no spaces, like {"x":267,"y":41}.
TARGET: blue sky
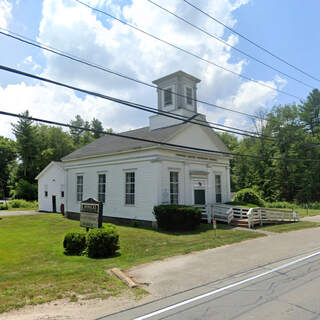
{"x":287,"y":28}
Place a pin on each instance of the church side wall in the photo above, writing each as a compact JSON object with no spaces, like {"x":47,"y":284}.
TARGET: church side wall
{"x":146,"y":188}
{"x":52,"y":182}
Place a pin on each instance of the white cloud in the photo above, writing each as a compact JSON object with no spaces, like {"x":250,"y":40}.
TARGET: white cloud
{"x":76,"y":29}
{"x":28,"y":61}
{"x":56,"y":104}
{"x":5,"y":13}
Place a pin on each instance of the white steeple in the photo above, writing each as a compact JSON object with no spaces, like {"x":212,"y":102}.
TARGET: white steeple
{"x":182,"y":103}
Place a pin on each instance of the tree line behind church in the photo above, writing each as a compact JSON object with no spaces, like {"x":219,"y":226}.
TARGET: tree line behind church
{"x":34,"y":147}
{"x":295,"y":129}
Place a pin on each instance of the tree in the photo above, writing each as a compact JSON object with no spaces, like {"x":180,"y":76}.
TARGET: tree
{"x":8,"y":155}
{"x":76,"y":133}
{"x":27,"y":144}
{"x":310,"y":112}
{"x":54,"y":144}
{"x":96,"y":125}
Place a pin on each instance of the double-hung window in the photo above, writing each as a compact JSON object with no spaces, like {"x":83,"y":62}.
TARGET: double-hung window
{"x":174,"y":187}
{"x":79,"y":188}
{"x":218,"y":188}
{"x":130,"y":188}
{"x":102,"y":187}
{"x":168,"y":97}
{"x":189,"y":95}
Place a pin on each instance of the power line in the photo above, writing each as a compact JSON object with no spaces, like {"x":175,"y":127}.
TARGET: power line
{"x":125,"y":102}
{"x":126,"y":136}
{"x":189,"y":52}
{"x":229,"y":45}
{"x":67,"y":55}
{"x":252,"y":42}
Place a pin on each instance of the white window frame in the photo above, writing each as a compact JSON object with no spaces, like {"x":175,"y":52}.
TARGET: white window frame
{"x":131,"y":192}
{"x":104,"y":185}
{"x":79,"y":194}
{"x":218,"y":196}
{"x":174,"y":194}
{"x":190,"y":103}
{"x":168,"y":89}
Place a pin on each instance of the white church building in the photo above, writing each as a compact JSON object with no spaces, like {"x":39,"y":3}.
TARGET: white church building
{"x":130,"y":177}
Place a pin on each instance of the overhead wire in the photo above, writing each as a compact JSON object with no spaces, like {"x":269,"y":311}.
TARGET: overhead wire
{"x":252,"y":42}
{"x":125,"y":102}
{"x":188,"y":52}
{"x":229,"y":45}
{"x":39,"y":45}
{"x":126,"y":136}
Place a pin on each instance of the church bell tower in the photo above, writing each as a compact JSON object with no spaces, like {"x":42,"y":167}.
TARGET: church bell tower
{"x":177,"y":94}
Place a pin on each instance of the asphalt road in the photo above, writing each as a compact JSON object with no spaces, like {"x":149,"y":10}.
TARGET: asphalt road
{"x":289,"y":289}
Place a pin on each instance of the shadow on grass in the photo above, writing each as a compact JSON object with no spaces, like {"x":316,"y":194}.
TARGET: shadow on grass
{"x":204,"y":227}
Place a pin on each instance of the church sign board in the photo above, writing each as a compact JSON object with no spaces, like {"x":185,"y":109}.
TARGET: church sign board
{"x":91,"y":213}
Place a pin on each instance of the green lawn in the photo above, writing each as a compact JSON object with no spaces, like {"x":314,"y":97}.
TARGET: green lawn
{"x":305,"y":213}
{"x":34,"y":269}
{"x":291,"y":226}
{"x":20,"y":209}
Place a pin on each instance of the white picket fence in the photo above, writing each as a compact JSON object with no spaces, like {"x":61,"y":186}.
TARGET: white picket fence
{"x":225,"y":213}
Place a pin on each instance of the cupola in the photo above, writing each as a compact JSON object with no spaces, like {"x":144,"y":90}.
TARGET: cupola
{"x":177,"y":94}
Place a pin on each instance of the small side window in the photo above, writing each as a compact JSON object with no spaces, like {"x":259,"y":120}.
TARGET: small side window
{"x":189,"y":95}
{"x":168,"y":97}
{"x":62,"y":194}
{"x":46,"y":193}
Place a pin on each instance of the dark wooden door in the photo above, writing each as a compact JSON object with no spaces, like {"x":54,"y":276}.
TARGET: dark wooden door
{"x":199,"y":197}
{"x":54,"y":204}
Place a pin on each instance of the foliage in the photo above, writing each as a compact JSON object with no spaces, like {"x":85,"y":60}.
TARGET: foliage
{"x":177,"y":217}
{"x":4,"y":206}
{"x":8,"y":155}
{"x":27,"y":144}
{"x":21,"y":203}
{"x":248,"y":195}
{"x":103,"y":242}
{"x":25,"y":190}
{"x":281,"y":205}
{"x":74,"y":243}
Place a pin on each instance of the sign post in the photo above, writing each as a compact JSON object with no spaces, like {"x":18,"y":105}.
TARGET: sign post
{"x":214,"y":225}
{"x":91,"y":214}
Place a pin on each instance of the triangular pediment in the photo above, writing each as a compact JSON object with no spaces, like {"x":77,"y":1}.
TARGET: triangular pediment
{"x":199,"y":137}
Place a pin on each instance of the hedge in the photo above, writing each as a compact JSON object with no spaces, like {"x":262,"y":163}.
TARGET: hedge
{"x":177,"y":217}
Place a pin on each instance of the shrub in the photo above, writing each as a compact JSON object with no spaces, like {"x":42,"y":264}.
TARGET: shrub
{"x":20,"y":203}
{"x":74,"y":243}
{"x":281,"y":204}
{"x":3,"y":206}
{"x":103,"y":242}
{"x":313,"y":205}
{"x":177,"y":217}
{"x":249,"y":196}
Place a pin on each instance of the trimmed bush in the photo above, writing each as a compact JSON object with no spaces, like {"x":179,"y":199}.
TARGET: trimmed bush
{"x":74,"y":243}
{"x":177,"y":217}
{"x":248,"y":196}
{"x":103,"y":242}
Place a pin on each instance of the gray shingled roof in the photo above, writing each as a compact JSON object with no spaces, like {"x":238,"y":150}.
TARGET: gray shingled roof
{"x":110,"y":144}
